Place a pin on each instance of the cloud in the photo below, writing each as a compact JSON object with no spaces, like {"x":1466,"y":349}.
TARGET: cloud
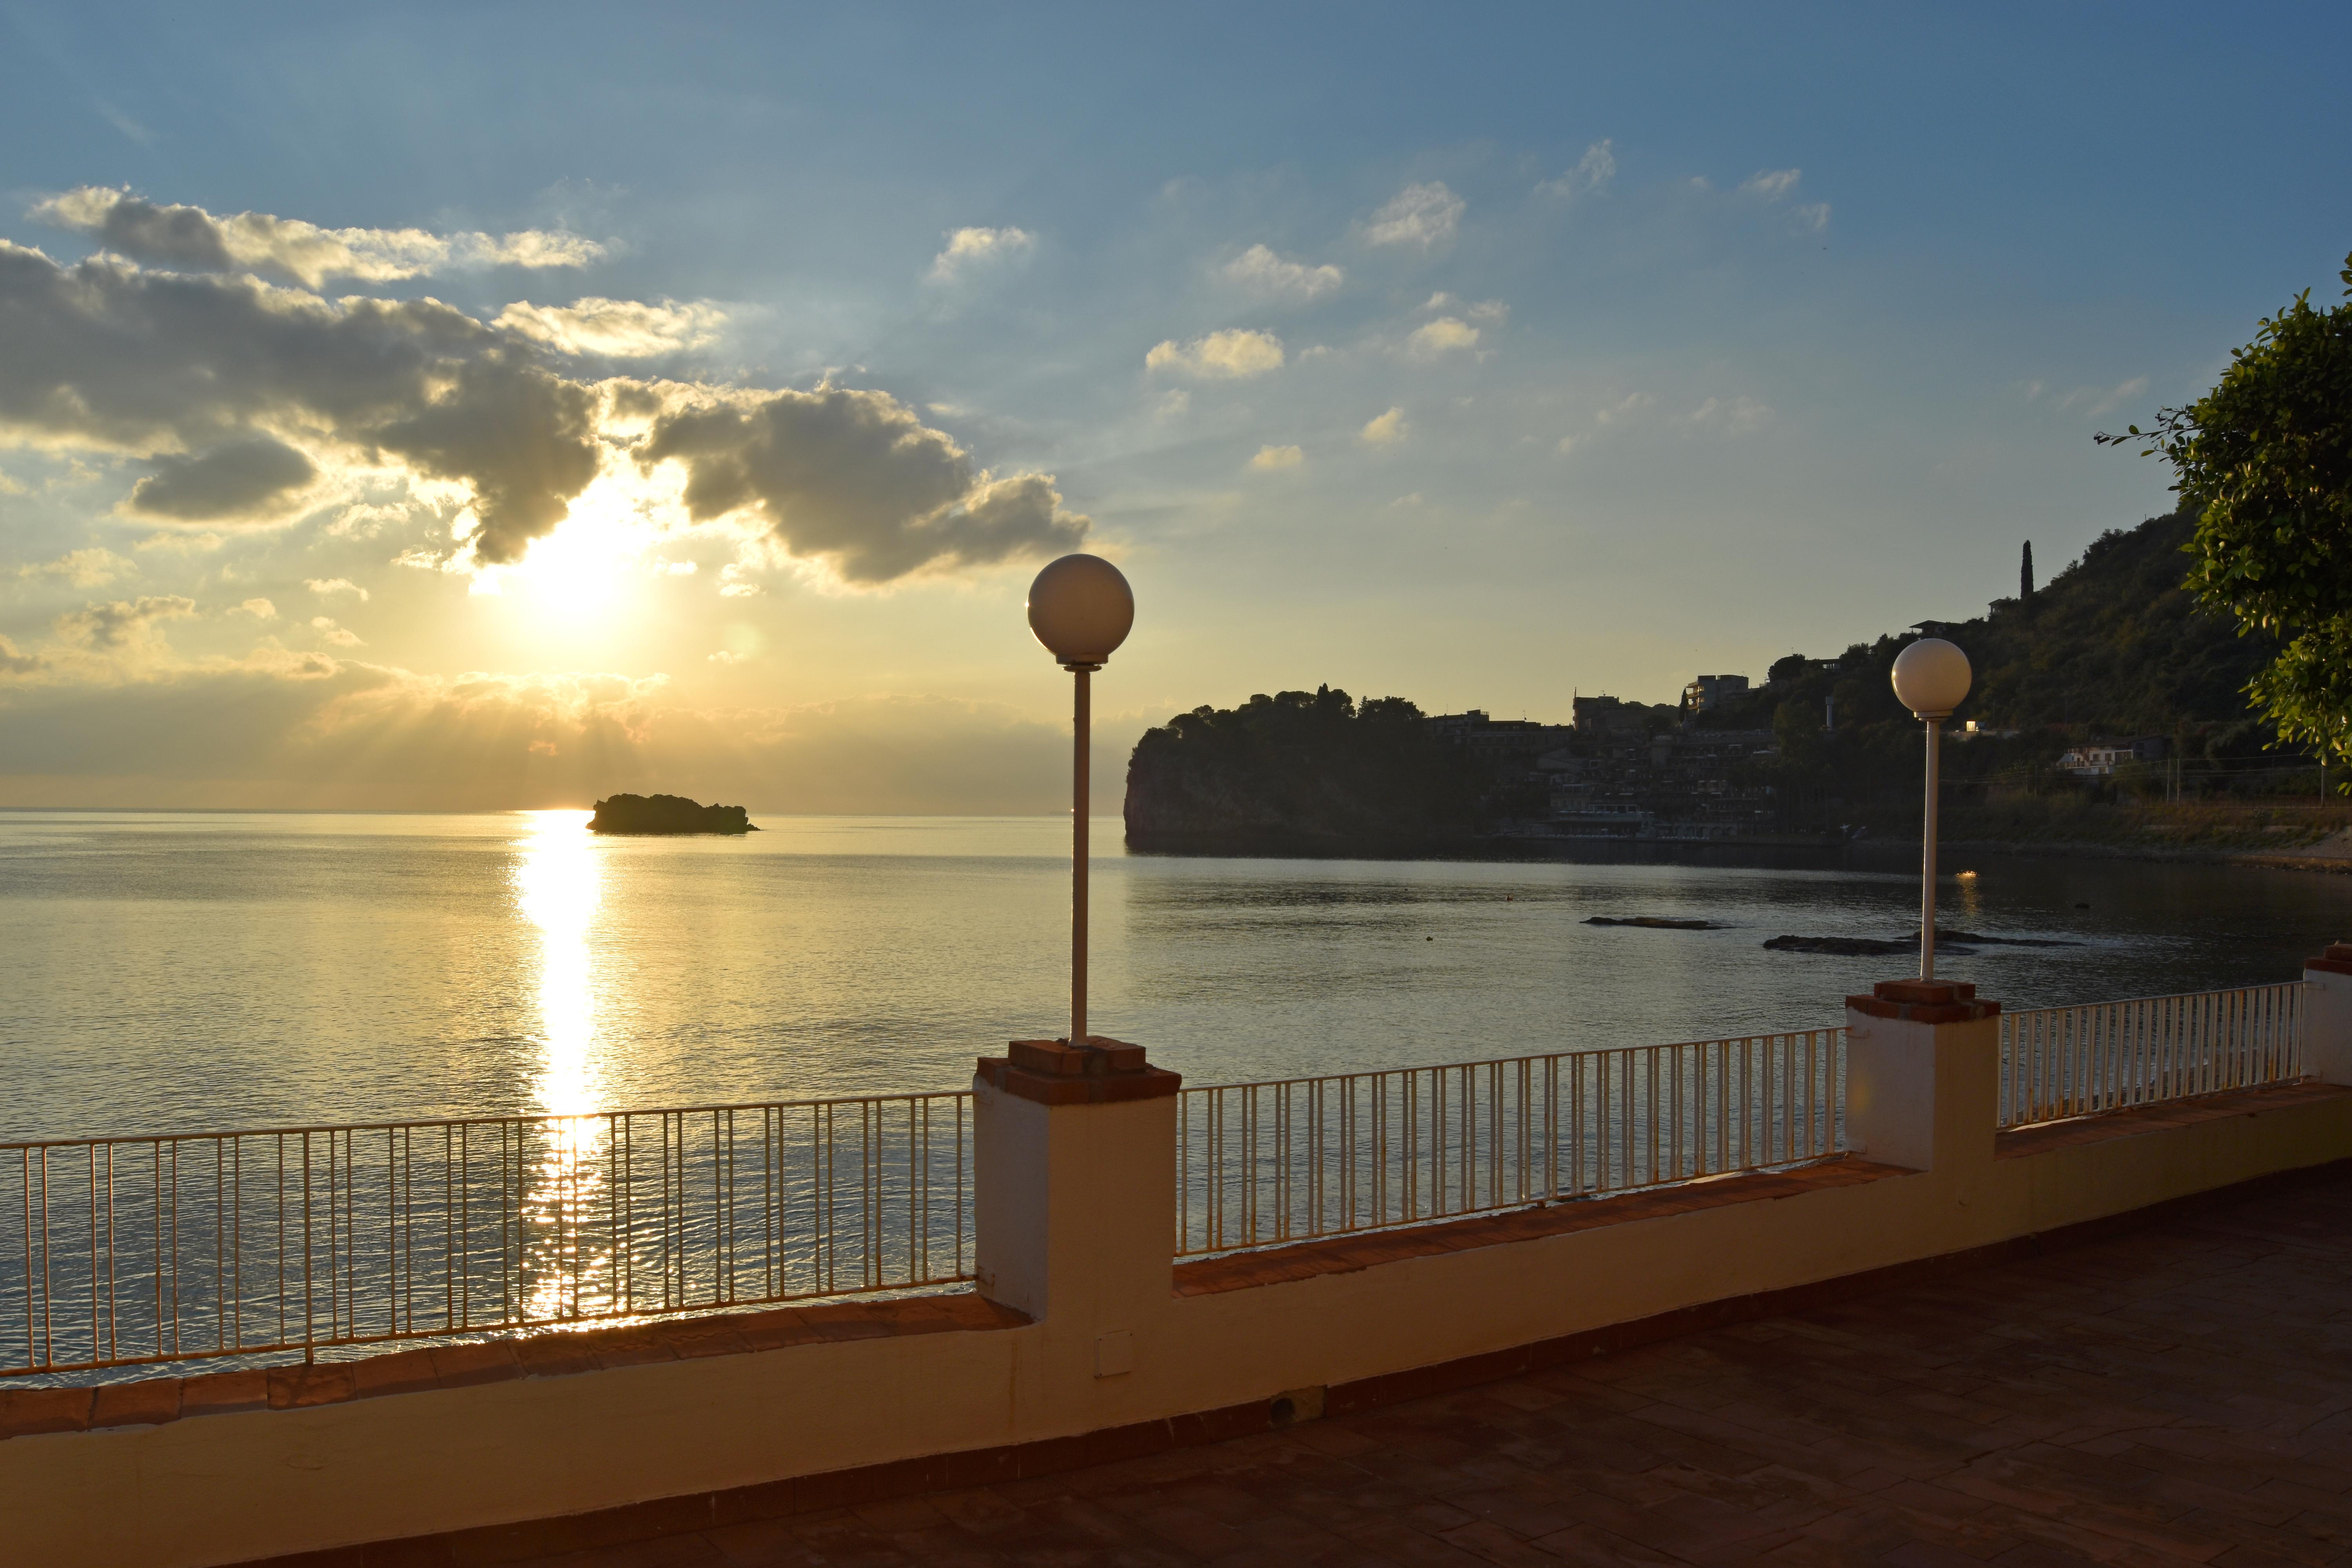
{"x":104,"y":355}
{"x":326,"y":587}
{"x":970,"y":250}
{"x":1493,"y":313}
{"x":16,"y":661}
{"x":1269,"y":459}
{"x":2091,"y":401}
{"x":849,"y":478}
{"x":259,"y":609}
{"x":1734,"y":416}
{"x":181,"y":543}
{"x":1269,"y":276}
{"x":305,"y":728}
{"x":125,"y":627}
{"x":251,"y":400}
{"x":1233,"y":355}
{"x":189,"y":238}
{"x":1592,"y":173}
{"x":91,"y":568}
{"x":1432,"y":339}
{"x":1777,"y":184}
{"x":1421,"y":216}
{"x":1624,"y":410}
{"x":1384,"y":430}
{"x":253,"y":480}
{"x":615,"y":329}
{"x":123,"y":123}
{"x":339,"y":636}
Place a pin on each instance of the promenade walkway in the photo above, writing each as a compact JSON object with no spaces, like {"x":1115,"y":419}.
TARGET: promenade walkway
{"x":2178,"y":1394}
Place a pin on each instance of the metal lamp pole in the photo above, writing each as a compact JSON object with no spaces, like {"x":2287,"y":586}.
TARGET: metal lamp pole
{"x":1081,"y":609}
{"x":1927,"y":847}
{"x":1081,"y":810}
{"x":1931,"y":676}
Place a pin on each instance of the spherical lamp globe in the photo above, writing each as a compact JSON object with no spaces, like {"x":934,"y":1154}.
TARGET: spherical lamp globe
{"x":1931,"y":677}
{"x":1081,"y":608}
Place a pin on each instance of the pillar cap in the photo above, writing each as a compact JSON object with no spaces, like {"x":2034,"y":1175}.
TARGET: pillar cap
{"x":1924,"y":1002}
{"x":1102,"y":1071}
{"x":2337,"y":960}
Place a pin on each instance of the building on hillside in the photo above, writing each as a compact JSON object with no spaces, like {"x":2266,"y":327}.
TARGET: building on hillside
{"x":1498,"y":740}
{"x":1707,"y":692}
{"x":1597,"y":717}
{"x":2097,"y":760}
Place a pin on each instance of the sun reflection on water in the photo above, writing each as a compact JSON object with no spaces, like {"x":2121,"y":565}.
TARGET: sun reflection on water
{"x":557,"y":886}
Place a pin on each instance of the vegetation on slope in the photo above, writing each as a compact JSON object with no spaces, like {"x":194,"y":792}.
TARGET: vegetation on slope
{"x":1298,"y":769}
{"x":667,"y":814}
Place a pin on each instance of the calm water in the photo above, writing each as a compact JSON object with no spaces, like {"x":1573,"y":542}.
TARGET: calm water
{"x":178,"y":972}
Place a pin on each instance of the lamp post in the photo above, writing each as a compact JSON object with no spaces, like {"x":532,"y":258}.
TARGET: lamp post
{"x":1931,"y":677}
{"x":1081,"y":609}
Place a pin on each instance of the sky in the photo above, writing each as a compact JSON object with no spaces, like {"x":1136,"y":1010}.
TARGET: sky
{"x":475,"y":407}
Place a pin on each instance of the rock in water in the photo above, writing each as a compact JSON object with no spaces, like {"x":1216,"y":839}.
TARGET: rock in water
{"x":1655,"y":922}
{"x":667,"y":814}
{"x":1843,"y":946}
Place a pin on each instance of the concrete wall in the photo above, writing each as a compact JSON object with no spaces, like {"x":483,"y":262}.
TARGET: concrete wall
{"x":1075,"y":1216}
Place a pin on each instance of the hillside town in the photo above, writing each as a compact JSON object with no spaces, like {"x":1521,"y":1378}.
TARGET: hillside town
{"x":1623,"y":769}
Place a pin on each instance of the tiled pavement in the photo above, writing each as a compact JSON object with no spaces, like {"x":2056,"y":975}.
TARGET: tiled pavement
{"x":2178,"y":1395}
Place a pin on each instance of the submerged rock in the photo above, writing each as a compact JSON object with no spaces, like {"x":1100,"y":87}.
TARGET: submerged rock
{"x":667,"y":814}
{"x":1845,"y":946}
{"x":1655,"y":922}
{"x":1973,"y":937}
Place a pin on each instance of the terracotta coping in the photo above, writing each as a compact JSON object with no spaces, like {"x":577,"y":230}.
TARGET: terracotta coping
{"x":1099,"y":1072}
{"x":2337,"y":960}
{"x":27,"y":1411}
{"x":1348,"y":1254}
{"x":2043,"y":1137}
{"x":648,"y":1522}
{"x":1924,"y":1002}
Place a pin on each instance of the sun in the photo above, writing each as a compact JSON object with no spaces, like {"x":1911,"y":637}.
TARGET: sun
{"x":585,"y":570}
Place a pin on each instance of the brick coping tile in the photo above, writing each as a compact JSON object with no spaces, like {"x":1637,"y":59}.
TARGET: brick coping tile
{"x":1019,"y":1470}
{"x":2013,"y":1142}
{"x":1361,"y":1249}
{"x":27,"y":1412}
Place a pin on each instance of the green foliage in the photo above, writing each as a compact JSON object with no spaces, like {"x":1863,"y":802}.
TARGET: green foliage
{"x":2115,"y":645}
{"x":2264,"y":462}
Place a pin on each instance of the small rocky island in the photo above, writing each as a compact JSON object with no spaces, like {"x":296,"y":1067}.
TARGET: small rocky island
{"x":667,"y":814}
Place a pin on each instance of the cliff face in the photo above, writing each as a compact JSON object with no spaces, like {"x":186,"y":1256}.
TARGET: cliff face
{"x":1306,"y":772}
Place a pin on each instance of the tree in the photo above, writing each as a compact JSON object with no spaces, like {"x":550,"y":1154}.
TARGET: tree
{"x":2265,"y":460}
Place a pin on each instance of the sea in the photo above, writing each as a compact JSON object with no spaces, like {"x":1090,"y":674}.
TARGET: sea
{"x":166,"y":972}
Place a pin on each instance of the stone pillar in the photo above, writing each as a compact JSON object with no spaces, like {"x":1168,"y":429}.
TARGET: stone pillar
{"x":1074,"y":1162}
{"x":2327,"y":1014}
{"x":1923,"y":1075}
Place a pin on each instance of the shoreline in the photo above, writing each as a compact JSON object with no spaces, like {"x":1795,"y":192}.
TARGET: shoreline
{"x":2330,"y":856}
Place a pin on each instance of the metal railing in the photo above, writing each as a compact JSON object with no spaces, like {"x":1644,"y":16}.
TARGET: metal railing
{"x":128,"y":1251}
{"x":2059,"y":1062}
{"x":1261,"y":1163}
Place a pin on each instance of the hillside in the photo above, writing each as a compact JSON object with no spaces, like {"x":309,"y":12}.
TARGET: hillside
{"x":2112,"y":649}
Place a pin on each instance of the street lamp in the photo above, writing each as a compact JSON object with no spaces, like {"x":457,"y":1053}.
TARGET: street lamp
{"x":1931,"y":676}
{"x":1081,"y":608}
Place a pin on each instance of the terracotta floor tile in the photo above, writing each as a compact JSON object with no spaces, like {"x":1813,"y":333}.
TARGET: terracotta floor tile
{"x":2173,"y":1395}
